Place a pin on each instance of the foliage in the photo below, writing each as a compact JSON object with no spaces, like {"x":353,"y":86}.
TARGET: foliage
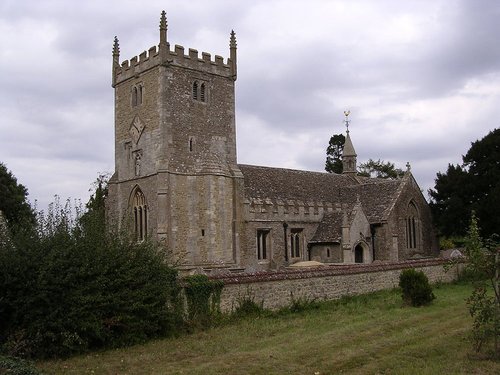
{"x":301,"y":304}
{"x":472,"y":186}
{"x":371,"y":336}
{"x":334,"y":152}
{"x":454,"y":242}
{"x":450,"y":201}
{"x":14,"y":200}
{"x":203,"y":299}
{"x":379,"y":169}
{"x":483,"y":264}
{"x":17,"y":366}
{"x":70,"y":286}
{"x":96,"y":205}
{"x":415,"y":287}
{"x":247,"y":307}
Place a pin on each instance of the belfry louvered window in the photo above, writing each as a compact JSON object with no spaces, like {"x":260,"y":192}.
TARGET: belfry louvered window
{"x":137,"y":94}
{"x":199,"y":91}
{"x":195,"y":90}
{"x":202,"y":92}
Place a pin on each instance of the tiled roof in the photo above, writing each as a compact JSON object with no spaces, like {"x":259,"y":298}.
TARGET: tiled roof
{"x":377,"y":195}
{"x":280,"y":183}
{"x":330,"y":228}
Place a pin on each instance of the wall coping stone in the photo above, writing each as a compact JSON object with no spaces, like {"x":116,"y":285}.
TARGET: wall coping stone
{"x":324,"y":271}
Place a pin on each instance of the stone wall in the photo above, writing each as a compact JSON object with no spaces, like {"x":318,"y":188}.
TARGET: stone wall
{"x":274,"y":289}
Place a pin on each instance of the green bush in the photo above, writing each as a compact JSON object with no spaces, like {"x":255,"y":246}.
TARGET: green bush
{"x":70,"y":286}
{"x":203,"y":299}
{"x":415,"y":287}
{"x":17,"y":366}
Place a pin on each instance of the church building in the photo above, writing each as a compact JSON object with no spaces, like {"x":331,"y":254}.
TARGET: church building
{"x":177,"y":179}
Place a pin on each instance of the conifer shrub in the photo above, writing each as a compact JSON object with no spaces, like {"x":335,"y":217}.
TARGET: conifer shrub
{"x":69,"y":286}
{"x":416,"y":290}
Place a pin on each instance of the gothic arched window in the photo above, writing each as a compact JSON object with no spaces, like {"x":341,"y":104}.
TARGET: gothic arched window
{"x":195,"y":90}
{"x":140,"y":212}
{"x":134,"y":96}
{"x":412,"y":227}
{"x":202,"y":92}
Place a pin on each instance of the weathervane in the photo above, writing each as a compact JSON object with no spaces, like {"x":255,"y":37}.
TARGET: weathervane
{"x":346,"y":120}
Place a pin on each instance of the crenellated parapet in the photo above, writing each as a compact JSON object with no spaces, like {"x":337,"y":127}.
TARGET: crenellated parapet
{"x":290,"y":210}
{"x":177,"y":57}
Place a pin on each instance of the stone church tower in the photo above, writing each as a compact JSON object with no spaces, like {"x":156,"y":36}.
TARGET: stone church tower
{"x":176,"y":176}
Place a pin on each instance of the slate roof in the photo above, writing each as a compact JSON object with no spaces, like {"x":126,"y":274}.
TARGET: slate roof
{"x":329,"y":229}
{"x":377,"y":195}
{"x":281,"y":183}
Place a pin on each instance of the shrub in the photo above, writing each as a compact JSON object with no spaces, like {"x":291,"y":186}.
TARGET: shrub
{"x":301,"y":304}
{"x":203,"y":299}
{"x":69,"y":286}
{"x":415,"y":287}
{"x":247,"y":307}
{"x":17,"y":366}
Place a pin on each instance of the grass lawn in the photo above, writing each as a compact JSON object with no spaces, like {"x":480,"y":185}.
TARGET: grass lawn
{"x":371,"y":334}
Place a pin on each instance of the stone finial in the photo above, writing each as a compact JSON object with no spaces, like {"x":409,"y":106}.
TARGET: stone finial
{"x":163,"y":22}
{"x":163,"y":47}
{"x":232,"y":40}
{"x":116,"y":60}
{"x":408,"y":166}
{"x":232,"y":54}
{"x":163,"y":28}
{"x":116,"y":47}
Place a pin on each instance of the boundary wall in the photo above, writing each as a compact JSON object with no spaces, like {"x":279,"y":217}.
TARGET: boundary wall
{"x":275,"y":289}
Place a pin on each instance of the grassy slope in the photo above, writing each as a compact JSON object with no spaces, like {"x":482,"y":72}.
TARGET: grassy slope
{"x":362,"y":335}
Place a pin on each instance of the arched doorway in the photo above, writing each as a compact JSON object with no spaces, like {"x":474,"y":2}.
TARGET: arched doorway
{"x":358,"y":253}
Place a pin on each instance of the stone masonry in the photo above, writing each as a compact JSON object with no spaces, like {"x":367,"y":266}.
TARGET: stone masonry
{"x":177,"y":179}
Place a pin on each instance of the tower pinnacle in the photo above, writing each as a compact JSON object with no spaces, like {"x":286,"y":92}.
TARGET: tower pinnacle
{"x":232,"y":54}
{"x":116,"y":59}
{"x":163,"y":37}
{"x":163,"y":26}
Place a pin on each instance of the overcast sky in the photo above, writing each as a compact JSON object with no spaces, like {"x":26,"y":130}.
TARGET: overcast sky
{"x":421,"y":79}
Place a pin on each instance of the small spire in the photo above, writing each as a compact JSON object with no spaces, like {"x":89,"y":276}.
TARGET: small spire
{"x":232,"y":40}
{"x":232,"y":54}
{"x":116,"y":47}
{"x":163,"y":47}
{"x":116,"y":60}
{"x":163,"y":27}
{"x":349,"y":161}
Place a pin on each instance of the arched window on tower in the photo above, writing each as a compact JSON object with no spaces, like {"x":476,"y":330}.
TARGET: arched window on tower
{"x":134,"y":96}
{"x":412,"y":227}
{"x":140,"y":215}
{"x":195,"y":90}
{"x":139,"y":98}
{"x":202,"y":92}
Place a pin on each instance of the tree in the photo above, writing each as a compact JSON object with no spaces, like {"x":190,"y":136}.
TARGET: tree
{"x":472,"y":186}
{"x":483,"y":267}
{"x":13,"y":200}
{"x":450,"y":202}
{"x":379,"y":169}
{"x":334,"y":152}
